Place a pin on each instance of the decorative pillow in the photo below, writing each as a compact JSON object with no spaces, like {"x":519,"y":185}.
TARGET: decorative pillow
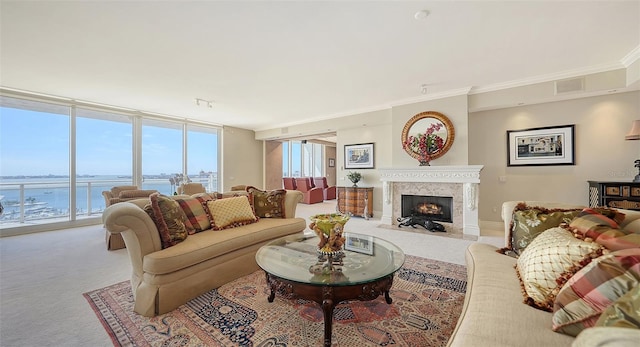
{"x":594,"y":288}
{"x":168,"y":218}
{"x":267,"y":204}
{"x":196,"y":216}
{"x":546,"y":264}
{"x":591,"y":225}
{"x":230,"y":212}
{"x":528,"y":222}
{"x":624,"y":312}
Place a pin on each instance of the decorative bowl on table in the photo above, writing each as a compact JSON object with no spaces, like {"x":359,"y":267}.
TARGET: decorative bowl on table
{"x":329,"y":228}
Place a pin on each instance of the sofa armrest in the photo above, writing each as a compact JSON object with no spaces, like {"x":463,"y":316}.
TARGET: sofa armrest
{"x":138,"y":231}
{"x":291,"y":200}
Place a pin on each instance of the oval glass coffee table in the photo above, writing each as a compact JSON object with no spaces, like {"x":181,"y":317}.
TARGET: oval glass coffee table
{"x":363,"y":271}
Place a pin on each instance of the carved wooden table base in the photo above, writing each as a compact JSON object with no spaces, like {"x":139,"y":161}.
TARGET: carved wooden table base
{"x":329,"y":296}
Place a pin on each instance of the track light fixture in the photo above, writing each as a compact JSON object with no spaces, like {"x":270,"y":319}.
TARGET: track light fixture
{"x":204,"y":102}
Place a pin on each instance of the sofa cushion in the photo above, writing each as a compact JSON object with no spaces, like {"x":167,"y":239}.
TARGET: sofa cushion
{"x":546,"y":264}
{"x":594,"y":288}
{"x":230,"y":212}
{"x":168,"y":218}
{"x":208,"y":245}
{"x":530,"y":221}
{"x":267,"y":204}
{"x":196,"y":216}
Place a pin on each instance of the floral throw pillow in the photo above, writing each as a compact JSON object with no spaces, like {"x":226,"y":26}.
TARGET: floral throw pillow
{"x":528,"y":222}
{"x":168,"y":218}
{"x":267,"y":204}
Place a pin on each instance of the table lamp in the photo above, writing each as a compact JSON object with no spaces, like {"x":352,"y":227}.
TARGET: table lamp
{"x":634,"y":134}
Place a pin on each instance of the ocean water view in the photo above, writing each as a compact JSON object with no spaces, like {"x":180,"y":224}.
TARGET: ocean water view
{"x":48,"y":197}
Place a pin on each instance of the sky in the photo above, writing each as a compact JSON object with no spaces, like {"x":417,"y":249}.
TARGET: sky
{"x":36,"y":143}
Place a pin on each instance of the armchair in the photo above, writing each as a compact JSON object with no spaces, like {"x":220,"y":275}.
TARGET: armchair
{"x":289,"y":183}
{"x":191,"y":188}
{"x":119,"y":194}
{"x":329,"y":191}
{"x":310,"y":195}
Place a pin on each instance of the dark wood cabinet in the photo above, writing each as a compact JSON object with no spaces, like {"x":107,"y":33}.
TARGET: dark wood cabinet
{"x":358,"y":201}
{"x":615,"y":194}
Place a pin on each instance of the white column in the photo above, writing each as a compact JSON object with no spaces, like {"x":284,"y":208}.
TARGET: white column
{"x":470,"y":220}
{"x":387,"y":203}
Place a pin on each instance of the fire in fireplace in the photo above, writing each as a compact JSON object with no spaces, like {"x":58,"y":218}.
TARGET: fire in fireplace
{"x":425,"y":211}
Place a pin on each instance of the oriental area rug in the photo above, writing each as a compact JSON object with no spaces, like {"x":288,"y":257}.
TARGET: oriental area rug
{"x":427,"y":301}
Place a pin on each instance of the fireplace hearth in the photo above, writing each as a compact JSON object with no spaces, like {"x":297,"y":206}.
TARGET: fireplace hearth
{"x":425,"y":211}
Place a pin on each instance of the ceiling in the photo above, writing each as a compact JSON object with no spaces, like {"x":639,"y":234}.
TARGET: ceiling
{"x":267,"y":64}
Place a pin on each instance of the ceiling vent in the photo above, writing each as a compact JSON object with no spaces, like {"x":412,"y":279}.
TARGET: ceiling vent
{"x":570,"y":86}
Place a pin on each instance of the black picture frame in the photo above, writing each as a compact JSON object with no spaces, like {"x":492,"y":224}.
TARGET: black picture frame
{"x":553,"y":145}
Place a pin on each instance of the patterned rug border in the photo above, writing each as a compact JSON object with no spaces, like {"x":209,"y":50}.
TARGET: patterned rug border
{"x":415,"y":268}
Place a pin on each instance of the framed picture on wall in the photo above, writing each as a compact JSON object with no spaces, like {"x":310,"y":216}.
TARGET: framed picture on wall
{"x":358,"y":156}
{"x":332,"y":162}
{"x":541,"y":146}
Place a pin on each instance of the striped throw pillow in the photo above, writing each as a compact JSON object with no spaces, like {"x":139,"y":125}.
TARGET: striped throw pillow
{"x":591,"y":290}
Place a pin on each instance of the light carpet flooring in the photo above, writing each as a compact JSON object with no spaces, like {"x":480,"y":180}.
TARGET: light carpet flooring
{"x":43,"y":276}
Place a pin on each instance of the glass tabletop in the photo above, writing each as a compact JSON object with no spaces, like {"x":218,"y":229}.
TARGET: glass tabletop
{"x":296,"y":258}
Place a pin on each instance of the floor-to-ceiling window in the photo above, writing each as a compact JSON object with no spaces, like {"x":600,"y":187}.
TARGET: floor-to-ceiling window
{"x":58,"y":155}
{"x":285,"y":159}
{"x":34,"y":160}
{"x":296,"y":159}
{"x":104,"y":157}
{"x":302,"y":159}
{"x":162,"y":155}
{"x":202,"y":156}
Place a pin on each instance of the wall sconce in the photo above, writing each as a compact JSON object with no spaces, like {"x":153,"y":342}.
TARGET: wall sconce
{"x":634,"y":134}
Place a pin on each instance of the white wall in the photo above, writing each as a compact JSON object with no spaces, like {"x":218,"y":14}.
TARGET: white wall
{"x":601,"y":151}
{"x":455,"y":108}
{"x":242,"y":158}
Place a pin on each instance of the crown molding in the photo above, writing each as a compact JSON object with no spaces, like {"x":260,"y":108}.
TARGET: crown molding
{"x":631,"y":58}
{"x":548,"y":78}
{"x":433,"y":96}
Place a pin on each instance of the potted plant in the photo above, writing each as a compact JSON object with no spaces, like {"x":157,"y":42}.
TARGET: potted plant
{"x":354,"y":177}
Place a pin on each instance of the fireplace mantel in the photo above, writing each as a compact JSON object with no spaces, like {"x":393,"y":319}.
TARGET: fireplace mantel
{"x":467,"y":176}
{"x":434,"y":174}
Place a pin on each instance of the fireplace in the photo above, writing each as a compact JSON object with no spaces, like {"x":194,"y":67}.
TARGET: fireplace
{"x":433,"y":208}
{"x":459,"y":182}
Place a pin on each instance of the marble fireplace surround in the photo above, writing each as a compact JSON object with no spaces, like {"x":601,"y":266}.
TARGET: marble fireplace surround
{"x":459,"y":182}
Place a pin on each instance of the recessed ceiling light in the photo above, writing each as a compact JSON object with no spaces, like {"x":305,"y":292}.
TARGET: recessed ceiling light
{"x":422,"y":14}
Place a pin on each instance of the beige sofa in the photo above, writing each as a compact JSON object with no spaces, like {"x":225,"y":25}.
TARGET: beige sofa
{"x":494,"y":313}
{"x":163,"y":279}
